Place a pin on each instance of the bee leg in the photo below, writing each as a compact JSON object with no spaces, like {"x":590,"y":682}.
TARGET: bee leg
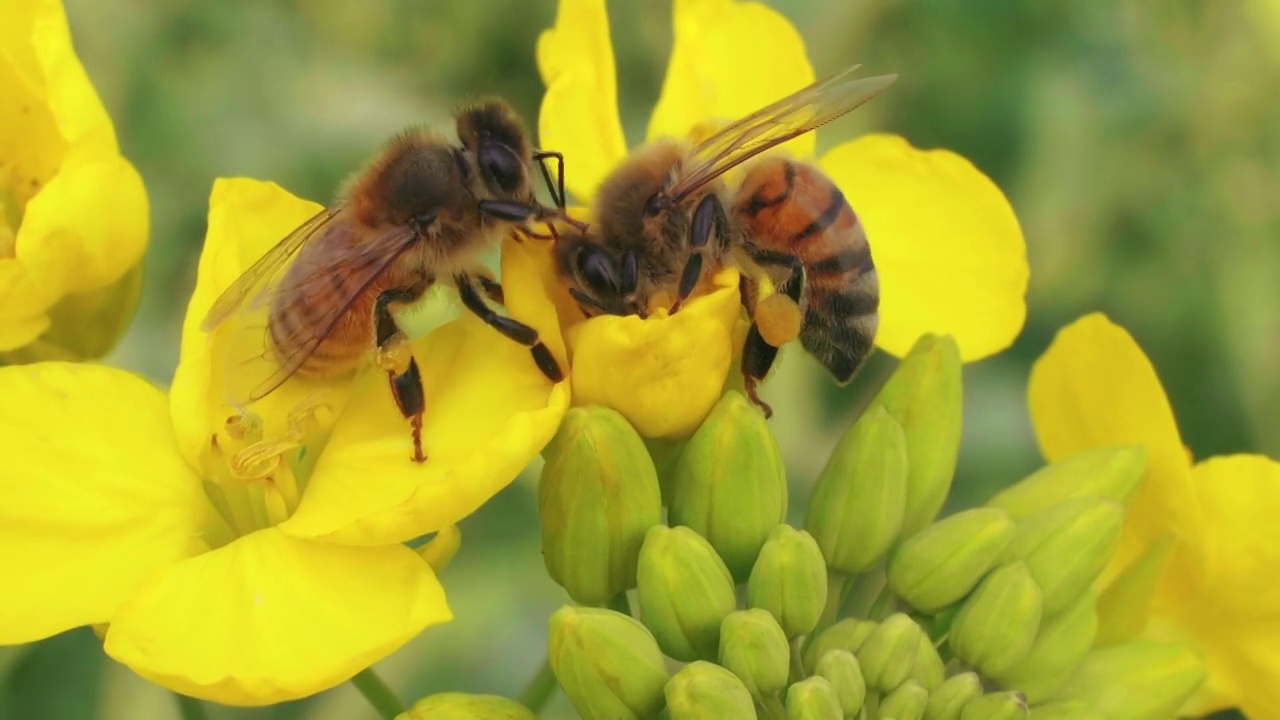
{"x":793,"y":286}
{"x":557,"y":188}
{"x":404,"y":377}
{"x":757,"y":355}
{"x":708,"y":218}
{"x":510,"y":328}
{"x":492,"y":288}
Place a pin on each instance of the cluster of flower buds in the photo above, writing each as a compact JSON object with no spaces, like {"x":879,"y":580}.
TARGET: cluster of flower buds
{"x":873,"y":610}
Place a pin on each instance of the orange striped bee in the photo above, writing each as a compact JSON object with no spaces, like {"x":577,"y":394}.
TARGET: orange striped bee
{"x":421,"y":213}
{"x":667,"y":212}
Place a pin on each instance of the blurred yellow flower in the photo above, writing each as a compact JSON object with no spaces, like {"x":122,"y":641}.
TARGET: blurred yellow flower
{"x":947,"y":246}
{"x":1197,"y":559}
{"x":200,"y":536}
{"x":73,"y":213}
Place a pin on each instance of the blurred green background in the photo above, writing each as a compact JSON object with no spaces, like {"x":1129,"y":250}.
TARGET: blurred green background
{"x":1139,"y":144}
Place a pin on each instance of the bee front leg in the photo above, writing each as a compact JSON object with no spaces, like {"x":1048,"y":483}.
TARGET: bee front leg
{"x":708,"y":219}
{"x":556,"y":188}
{"x":510,"y":328}
{"x":395,"y":357}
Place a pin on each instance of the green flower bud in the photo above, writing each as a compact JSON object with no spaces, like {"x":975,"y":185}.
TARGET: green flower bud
{"x":812,"y":699}
{"x":1061,"y":643}
{"x":789,"y":580}
{"x":753,"y":647}
{"x":1066,"y":547}
{"x":607,"y":663}
{"x":947,"y":701}
{"x":729,"y":484}
{"x":996,"y":626}
{"x":996,"y":706}
{"x":848,"y":634}
{"x":1066,"y":710}
{"x":1124,"y":606}
{"x":841,"y":669}
{"x":461,"y":706}
{"x":703,"y":691}
{"x":889,"y":652}
{"x":942,"y":563}
{"x":923,"y":395}
{"x":907,"y":702}
{"x":928,"y":670}
{"x":1110,"y":472}
{"x":1136,"y":681}
{"x":857,"y":506}
{"x":597,"y":496}
{"x":685,"y":592}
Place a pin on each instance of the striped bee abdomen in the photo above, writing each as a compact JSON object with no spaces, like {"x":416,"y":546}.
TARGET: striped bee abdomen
{"x":793,"y":208}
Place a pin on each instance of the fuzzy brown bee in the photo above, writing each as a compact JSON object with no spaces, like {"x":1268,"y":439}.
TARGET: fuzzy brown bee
{"x":667,"y":212}
{"x":419,"y":214}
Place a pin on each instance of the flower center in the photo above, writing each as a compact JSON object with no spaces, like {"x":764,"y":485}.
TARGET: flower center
{"x":254,"y":476}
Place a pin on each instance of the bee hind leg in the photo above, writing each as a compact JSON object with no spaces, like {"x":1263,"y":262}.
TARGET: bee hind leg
{"x":396,"y":358}
{"x":510,"y":328}
{"x":757,"y":354}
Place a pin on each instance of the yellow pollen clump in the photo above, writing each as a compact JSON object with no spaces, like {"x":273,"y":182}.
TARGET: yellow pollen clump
{"x":778,"y":318}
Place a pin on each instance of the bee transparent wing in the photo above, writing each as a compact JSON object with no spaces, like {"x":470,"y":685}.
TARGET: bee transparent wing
{"x":360,"y":263}
{"x":257,"y":281}
{"x":772,"y":125}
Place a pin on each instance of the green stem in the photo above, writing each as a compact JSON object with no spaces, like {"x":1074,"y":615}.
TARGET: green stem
{"x":540,"y":688}
{"x":190,"y":708}
{"x":620,"y":603}
{"x":378,"y":694}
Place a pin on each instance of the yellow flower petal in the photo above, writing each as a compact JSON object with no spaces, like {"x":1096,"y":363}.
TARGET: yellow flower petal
{"x":38,"y":43}
{"x":579,"y":114}
{"x":271,"y":618}
{"x":1233,"y":616}
{"x":489,"y":412}
{"x":22,"y":307}
{"x":96,"y":496}
{"x":665,"y":372}
{"x":1239,"y":495}
{"x":31,"y":143}
{"x":73,"y":214}
{"x":87,"y":227}
{"x":1095,"y":387}
{"x":715,"y":75}
{"x":946,"y":244}
{"x":246,"y":219}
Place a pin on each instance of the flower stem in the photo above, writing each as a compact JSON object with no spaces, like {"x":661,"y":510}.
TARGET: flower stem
{"x":540,"y":688}
{"x":378,"y":694}
{"x":190,"y":708}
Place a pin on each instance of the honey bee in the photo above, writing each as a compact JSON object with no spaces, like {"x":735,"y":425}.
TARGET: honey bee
{"x":419,"y":214}
{"x":667,"y":212}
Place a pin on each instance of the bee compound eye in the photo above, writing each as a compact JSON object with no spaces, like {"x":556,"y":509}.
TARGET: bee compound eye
{"x":597,"y":271}
{"x":502,"y":169}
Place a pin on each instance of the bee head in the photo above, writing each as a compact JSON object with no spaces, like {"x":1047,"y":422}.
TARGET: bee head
{"x":498,"y":146}
{"x":601,"y":280}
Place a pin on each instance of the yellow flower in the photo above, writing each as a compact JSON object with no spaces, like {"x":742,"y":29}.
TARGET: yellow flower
{"x":202,"y":543}
{"x":1200,"y":544}
{"x":73,"y":213}
{"x":948,"y":248}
